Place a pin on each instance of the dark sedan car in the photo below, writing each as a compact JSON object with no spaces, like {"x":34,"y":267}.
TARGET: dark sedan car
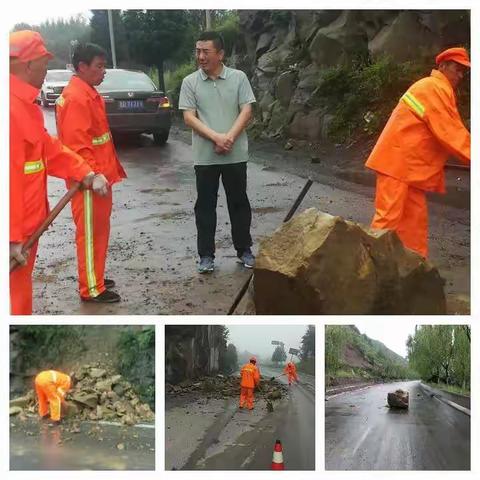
{"x":135,"y":105}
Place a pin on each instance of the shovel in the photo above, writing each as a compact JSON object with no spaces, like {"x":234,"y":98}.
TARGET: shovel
{"x":46,"y":223}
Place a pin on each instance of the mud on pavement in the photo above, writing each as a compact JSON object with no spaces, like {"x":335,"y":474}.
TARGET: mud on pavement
{"x":203,"y":421}
{"x":152,"y":255}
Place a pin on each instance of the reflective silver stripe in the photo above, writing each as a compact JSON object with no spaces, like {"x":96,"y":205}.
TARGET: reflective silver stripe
{"x":33,"y":167}
{"x":60,"y":101}
{"x":102,"y":139}
{"x":54,"y":376}
{"x":89,"y":251}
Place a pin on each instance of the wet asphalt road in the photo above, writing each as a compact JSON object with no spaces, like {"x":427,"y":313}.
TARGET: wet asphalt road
{"x":36,"y":445}
{"x":235,"y":443}
{"x":152,"y":254}
{"x":362,"y":433}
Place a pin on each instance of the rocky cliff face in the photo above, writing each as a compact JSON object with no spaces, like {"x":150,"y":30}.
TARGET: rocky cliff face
{"x":192,"y":351}
{"x":286,"y":54}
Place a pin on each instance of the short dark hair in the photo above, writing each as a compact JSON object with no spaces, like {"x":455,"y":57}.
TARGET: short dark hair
{"x":86,"y":52}
{"x":215,"y":37}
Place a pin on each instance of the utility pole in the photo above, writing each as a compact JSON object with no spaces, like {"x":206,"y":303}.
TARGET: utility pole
{"x":112,"y":38}
{"x":208,"y":20}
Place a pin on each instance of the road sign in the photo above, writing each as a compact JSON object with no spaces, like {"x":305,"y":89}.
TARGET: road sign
{"x":276,"y":342}
{"x":294,"y":351}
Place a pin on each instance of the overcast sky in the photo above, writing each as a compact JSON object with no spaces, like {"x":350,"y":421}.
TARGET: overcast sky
{"x":38,"y":13}
{"x":258,"y":338}
{"x":391,"y":331}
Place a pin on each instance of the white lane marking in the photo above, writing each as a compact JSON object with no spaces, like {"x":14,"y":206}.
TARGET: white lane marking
{"x":116,"y":424}
{"x":359,"y":443}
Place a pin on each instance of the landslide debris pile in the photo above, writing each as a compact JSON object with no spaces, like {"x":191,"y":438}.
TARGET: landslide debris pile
{"x":224,"y":386}
{"x":320,"y":264}
{"x":98,"y":394}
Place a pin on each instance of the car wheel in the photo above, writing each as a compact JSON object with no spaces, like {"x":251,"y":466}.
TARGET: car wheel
{"x":160,"y":138}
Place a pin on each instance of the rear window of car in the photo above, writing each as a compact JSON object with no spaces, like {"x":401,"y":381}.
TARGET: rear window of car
{"x":119,"y":80}
{"x":58,"y":76}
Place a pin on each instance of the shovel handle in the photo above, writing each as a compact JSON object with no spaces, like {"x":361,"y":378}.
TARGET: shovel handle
{"x":46,"y":223}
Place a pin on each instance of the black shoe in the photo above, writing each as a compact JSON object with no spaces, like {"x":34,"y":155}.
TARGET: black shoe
{"x":105,"y":297}
{"x":109,"y":284}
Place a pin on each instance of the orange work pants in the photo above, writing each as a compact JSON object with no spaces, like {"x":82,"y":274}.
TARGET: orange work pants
{"x":91,"y":214}
{"x":402,"y":208}
{"x":48,"y":399}
{"x":21,"y":286}
{"x":291,"y":378}
{"x":246,"y":397}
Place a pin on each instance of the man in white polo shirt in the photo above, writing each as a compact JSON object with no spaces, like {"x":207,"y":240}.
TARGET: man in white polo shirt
{"x":216,"y":101}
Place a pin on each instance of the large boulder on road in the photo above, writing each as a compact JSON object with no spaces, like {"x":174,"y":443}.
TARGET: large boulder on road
{"x":398,"y":399}
{"x":322,"y":264}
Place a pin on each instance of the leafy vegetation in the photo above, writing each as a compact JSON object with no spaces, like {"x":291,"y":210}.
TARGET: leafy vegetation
{"x":441,"y":354}
{"x":47,"y":346}
{"x":379,"y":362}
{"x":279,"y":354}
{"x":137,"y":361}
{"x":361,"y":95}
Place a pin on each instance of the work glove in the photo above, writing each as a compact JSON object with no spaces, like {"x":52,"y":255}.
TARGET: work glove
{"x":16,"y":253}
{"x":87,"y":181}
{"x":100,"y":184}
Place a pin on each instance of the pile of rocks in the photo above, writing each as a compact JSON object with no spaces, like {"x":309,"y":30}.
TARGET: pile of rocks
{"x":99,"y":393}
{"x":224,"y":386}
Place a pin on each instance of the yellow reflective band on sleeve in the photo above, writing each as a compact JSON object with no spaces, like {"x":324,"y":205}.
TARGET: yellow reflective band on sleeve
{"x":33,"y":167}
{"x":102,"y":139}
{"x":89,"y":251}
{"x":60,"y":101}
{"x":61,"y":391}
{"x":410,"y":100}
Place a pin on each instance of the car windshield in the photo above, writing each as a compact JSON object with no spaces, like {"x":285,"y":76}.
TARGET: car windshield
{"x":63,"y":76}
{"x":117,"y":80}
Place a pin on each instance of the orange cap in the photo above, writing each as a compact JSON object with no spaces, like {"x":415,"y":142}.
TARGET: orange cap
{"x":456,"y":54}
{"x":27,"y":45}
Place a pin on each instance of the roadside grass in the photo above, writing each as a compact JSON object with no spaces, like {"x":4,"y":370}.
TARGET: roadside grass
{"x":450,"y":388}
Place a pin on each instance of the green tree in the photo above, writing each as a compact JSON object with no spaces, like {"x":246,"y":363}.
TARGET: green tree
{"x":231,"y":359}
{"x":157,"y":36}
{"x":279,"y":355}
{"x":335,"y":340}
{"x":307,"y":350}
{"x":101,"y":36}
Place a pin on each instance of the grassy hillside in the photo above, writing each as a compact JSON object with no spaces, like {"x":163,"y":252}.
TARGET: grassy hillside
{"x":350,"y":354}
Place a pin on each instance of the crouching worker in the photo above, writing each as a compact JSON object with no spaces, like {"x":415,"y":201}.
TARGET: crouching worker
{"x":51,"y":387}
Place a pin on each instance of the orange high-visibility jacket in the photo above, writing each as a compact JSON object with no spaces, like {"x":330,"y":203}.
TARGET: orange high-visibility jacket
{"x":424,"y":129}
{"x":290,"y":369}
{"x":33,"y":155}
{"x":61,"y":381}
{"x":250,"y":376}
{"x":82,"y":125}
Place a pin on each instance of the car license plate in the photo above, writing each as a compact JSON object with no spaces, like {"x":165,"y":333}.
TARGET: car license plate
{"x":130,"y":104}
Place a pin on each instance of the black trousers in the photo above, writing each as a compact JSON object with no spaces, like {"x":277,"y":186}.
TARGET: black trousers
{"x":234,"y":179}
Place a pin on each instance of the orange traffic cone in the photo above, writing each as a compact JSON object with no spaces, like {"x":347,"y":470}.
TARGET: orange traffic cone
{"x":277,"y":460}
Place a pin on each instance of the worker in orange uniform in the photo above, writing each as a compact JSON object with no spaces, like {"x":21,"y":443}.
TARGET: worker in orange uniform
{"x":250,"y":378}
{"x":291,"y":371}
{"x":34,"y":154}
{"x":51,"y":387}
{"x":424,"y":130}
{"x":83,"y":126}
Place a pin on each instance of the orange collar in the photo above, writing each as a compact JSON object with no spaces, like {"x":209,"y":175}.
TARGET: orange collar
{"x":84,"y":86}
{"x":440,"y":76}
{"x":23,"y":90}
